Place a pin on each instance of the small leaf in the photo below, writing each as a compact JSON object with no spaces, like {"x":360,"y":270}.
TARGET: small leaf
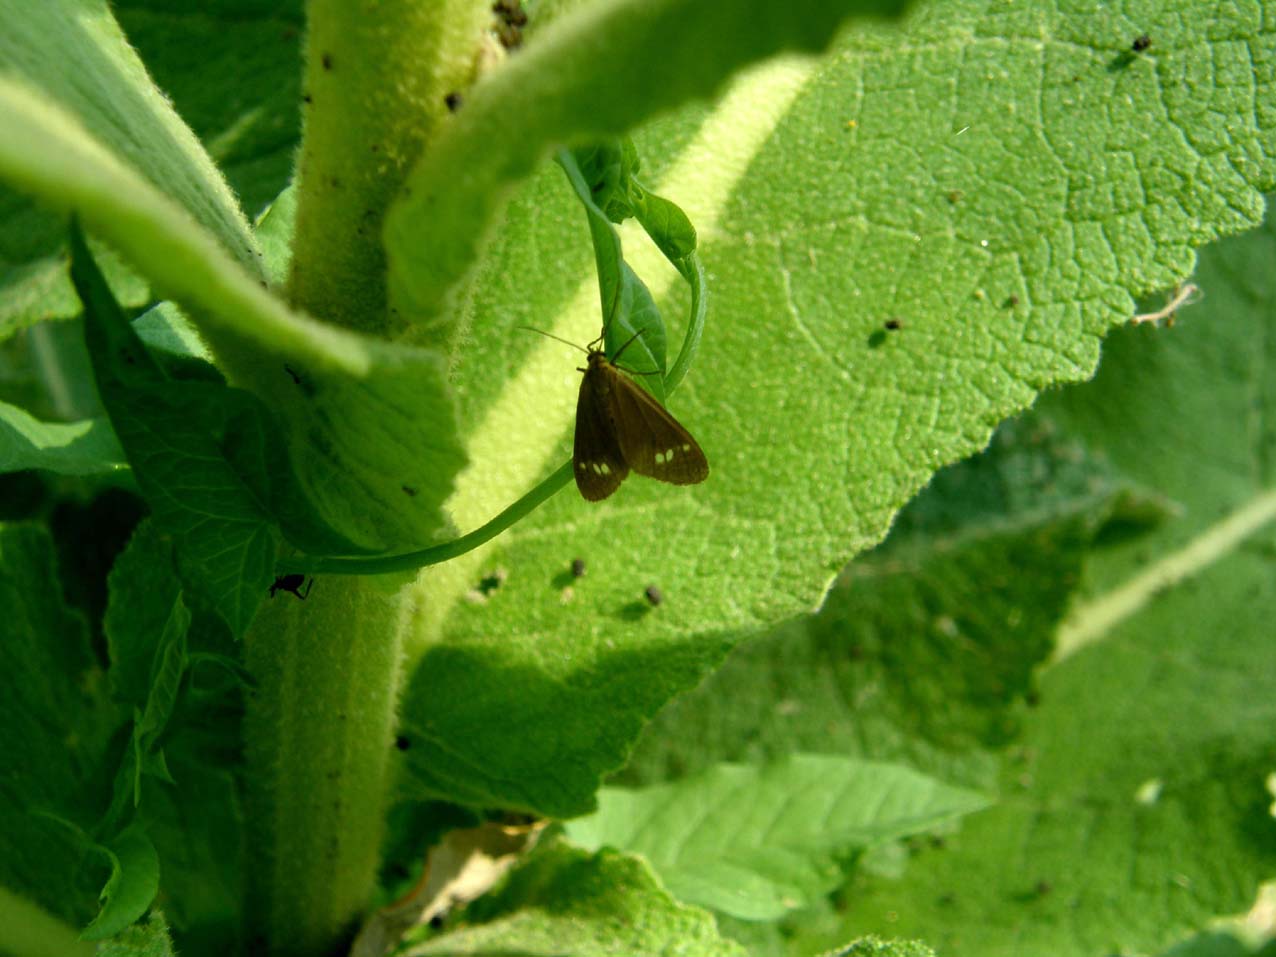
{"x":631,"y":323}
{"x":563,"y":900}
{"x":67,"y":448}
{"x":133,"y":883}
{"x":209,"y":459}
{"x":225,"y":545}
{"x":166,"y":678}
{"x":142,"y":591}
{"x":756,"y":843}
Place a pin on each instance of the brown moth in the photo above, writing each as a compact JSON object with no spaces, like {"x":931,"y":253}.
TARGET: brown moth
{"x":621,"y":427}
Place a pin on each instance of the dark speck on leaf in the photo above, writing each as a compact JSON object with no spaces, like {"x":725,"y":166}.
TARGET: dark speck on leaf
{"x":307,"y":98}
{"x":653,"y":595}
{"x":453,"y":101}
{"x":489,"y":583}
{"x":511,"y":37}
{"x":1141,"y":43}
{"x":894,"y":324}
{"x":578,"y":567}
{"x":1012,"y":301}
{"x":511,"y":11}
{"x":402,"y":742}
{"x":409,"y":491}
{"x":326,"y":60}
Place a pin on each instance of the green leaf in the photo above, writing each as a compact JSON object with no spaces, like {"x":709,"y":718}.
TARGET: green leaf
{"x":250,"y":121}
{"x":594,"y":904}
{"x":242,"y":96}
{"x":28,"y":929}
{"x":54,"y":730}
{"x":123,"y":110}
{"x":756,"y":843}
{"x":50,"y":155}
{"x":68,"y":448}
{"x":197,"y":828}
{"x":369,"y":418}
{"x":1220,"y":944}
{"x":575,"y":84}
{"x":133,"y":883}
{"x":926,"y":647}
{"x":149,"y":939}
{"x":936,"y":206}
{"x":143,"y":592}
{"x":195,"y":823}
{"x":166,"y":679}
{"x":630,"y":320}
{"x":180,"y":438}
{"x":208,"y":458}
{"x":120,"y":109}
{"x":1152,"y":741}
{"x":876,"y":947}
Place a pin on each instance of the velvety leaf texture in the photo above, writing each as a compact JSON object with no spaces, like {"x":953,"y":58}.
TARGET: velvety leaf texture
{"x":905,"y":242}
{"x":239,"y":96}
{"x":147,"y":939}
{"x":1137,"y":811}
{"x":604,"y":903}
{"x":132,"y":117}
{"x":925,"y":649}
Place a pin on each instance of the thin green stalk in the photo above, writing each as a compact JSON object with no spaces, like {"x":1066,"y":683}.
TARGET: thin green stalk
{"x":315,"y":565}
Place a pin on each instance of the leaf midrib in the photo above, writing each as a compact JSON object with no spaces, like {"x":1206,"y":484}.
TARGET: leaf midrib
{"x":1096,"y":618}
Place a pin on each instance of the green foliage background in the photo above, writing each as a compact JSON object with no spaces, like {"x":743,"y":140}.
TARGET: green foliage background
{"x":1007,"y":181}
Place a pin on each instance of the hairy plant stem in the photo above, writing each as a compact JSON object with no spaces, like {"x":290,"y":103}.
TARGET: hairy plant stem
{"x":377,"y":77}
{"x":319,"y":723}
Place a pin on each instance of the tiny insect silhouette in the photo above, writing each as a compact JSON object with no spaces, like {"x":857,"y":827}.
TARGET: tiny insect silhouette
{"x":292,"y":584}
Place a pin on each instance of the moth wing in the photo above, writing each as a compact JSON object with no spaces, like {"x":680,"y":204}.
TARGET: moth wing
{"x":651,"y":440}
{"x":597,"y":459}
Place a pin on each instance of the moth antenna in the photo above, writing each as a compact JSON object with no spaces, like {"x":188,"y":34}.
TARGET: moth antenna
{"x":550,"y":335}
{"x":625,"y":346}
